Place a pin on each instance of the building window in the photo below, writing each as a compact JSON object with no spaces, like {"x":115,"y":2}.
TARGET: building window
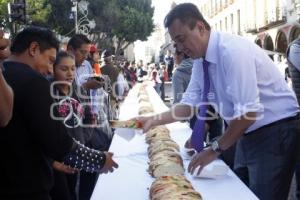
{"x":221,"y":26}
{"x":231,"y":23}
{"x":221,"y":6}
{"x":239,"y":22}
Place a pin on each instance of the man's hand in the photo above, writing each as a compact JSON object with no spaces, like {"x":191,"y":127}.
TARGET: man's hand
{"x":4,"y":43}
{"x":147,"y":122}
{"x":63,"y":168}
{"x":202,"y":159}
{"x":110,"y":164}
{"x":189,"y":148}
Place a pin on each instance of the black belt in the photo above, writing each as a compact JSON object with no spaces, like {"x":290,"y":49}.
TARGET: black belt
{"x":288,"y":119}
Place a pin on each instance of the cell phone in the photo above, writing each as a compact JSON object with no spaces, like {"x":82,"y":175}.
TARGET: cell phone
{"x":98,"y":78}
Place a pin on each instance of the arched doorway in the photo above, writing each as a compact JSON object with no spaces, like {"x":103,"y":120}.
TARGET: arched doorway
{"x":269,"y":45}
{"x":295,"y":33}
{"x":258,"y":42}
{"x":281,"y":42}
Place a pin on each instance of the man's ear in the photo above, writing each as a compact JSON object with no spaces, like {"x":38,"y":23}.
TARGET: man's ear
{"x":200,"y":26}
{"x":70,"y":49}
{"x":33,"y":49}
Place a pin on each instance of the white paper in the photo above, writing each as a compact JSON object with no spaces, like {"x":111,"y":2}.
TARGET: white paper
{"x":125,"y":133}
{"x":213,"y":170}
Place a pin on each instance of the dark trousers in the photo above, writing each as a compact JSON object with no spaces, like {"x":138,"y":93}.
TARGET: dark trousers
{"x":87,"y":185}
{"x":64,"y":186}
{"x":297,"y":172}
{"x":265,"y":159}
{"x":162,"y":89}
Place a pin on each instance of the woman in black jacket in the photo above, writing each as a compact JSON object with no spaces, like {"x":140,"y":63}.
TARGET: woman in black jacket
{"x":72,"y":107}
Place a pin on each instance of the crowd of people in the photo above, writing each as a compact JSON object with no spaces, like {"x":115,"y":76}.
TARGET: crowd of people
{"x":56,"y":105}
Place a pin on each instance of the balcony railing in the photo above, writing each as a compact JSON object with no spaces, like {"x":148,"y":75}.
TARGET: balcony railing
{"x":251,"y":30}
{"x":273,"y":19}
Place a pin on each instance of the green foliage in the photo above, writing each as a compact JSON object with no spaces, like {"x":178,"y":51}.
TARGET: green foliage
{"x":105,"y":13}
{"x":135,"y":22}
{"x":133,"y":25}
{"x":58,"y":19}
{"x":126,"y":20}
{"x":123,"y":20}
{"x":38,"y":11}
{"x":4,"y":13}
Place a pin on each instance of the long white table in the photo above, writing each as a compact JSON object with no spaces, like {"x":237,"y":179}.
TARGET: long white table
{"x":131,"y":180}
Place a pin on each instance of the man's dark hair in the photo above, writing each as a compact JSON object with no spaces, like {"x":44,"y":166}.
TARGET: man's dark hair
{"x":44,"y":37}
{"x":77,"y":41}
{"x":187,"y":13}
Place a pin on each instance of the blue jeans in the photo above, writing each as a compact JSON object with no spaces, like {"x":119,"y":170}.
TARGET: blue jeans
{"x":157,"y":87}
{"x":265,"y":159}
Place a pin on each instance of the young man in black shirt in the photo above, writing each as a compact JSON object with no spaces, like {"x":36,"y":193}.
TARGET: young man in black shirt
{"x":32,"y":137}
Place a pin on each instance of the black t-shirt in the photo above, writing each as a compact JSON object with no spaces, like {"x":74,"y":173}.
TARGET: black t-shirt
{"x":30,"y":138}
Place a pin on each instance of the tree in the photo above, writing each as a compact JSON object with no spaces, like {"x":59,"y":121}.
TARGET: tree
{"x":135,"y":23}
{"x":117,"y":21}
{"x":4,"y":17}
{"x":53,"y":14}
{"x":59,"y":17}
{"x":4,"y":13}
{"x":123,"y":21}
{"x":106,"y":14}
{"x":38,"y":11}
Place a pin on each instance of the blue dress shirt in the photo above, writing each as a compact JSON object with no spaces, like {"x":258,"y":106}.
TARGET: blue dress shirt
{"x":242,"y":79}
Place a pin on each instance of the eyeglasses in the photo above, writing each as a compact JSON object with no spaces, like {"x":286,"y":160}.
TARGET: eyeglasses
{"x":83,"y":52}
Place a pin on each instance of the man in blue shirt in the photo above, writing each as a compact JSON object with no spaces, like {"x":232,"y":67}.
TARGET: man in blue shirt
{"x":248,"y":92}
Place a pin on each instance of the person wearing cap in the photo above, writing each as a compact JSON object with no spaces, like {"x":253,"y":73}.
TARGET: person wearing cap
{"x":94,"y":58}
{"x":112,"y":72}
{"x":108,"y":68}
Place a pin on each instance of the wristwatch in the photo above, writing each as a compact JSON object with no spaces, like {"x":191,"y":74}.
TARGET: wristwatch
{"x":215,"y":147}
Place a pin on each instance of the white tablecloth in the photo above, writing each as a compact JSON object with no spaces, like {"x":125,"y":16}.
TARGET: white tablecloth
{"x":131,"y":180}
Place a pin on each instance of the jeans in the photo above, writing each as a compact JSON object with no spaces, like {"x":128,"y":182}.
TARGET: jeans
{"x":157,"y":87}
{"x":265,"y":159}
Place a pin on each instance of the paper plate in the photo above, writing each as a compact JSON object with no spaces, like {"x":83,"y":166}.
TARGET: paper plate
{"x":212,"y":170}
